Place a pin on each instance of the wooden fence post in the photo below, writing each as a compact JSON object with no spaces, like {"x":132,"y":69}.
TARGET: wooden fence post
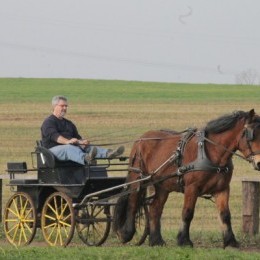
{"x":250,"y":193}
{"x":1,"y":199}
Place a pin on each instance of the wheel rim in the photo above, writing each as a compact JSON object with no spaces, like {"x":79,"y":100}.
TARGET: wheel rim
{"x":93,"y":224}
{"x":20,"y":219}
{"x":57,"y":220}
{"x":141,"y":226}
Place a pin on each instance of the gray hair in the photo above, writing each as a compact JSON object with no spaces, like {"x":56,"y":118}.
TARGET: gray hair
{"x":55,"y":100}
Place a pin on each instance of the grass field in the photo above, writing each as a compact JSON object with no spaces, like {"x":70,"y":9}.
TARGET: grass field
{"x":120,"y":111}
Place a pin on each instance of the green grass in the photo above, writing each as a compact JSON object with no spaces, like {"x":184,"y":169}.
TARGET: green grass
{"x":124,"y":253}
{"x":112,"y":111}
{"x":40,"y":90}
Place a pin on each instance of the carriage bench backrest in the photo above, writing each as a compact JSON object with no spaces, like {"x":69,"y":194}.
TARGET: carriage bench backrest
{"x":46,"y":158}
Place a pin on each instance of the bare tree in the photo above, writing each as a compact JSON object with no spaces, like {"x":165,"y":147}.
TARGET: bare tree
{"x":248,"y":77}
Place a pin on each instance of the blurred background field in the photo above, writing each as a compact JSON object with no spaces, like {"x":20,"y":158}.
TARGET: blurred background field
{"x":120,"y":111}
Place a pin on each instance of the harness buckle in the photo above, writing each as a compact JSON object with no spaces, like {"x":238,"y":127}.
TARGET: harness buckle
{"x":181,"y":170}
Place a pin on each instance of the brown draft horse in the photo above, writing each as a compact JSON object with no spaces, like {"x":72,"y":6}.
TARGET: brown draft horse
{"x":195,"y":162}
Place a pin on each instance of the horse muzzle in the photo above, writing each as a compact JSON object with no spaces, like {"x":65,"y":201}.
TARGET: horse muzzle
{"x":255,"y":159}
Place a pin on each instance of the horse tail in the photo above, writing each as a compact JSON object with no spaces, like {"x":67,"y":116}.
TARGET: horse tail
{"x":120,"y":213}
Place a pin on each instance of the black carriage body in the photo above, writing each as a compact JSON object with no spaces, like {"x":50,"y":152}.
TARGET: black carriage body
{"x":72,"y":179}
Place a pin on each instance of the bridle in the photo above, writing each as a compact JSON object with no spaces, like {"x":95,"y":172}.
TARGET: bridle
{"x":249,"y":134}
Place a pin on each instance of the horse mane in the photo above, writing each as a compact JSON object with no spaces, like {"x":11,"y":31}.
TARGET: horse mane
{"x":225,"y":122}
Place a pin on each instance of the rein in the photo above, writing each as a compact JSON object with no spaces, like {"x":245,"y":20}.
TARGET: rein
{"x":138,"y":140}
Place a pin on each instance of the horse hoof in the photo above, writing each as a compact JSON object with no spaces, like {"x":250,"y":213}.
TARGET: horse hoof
{"x":233,"y":244}
{"x":186,"y":243}
{"x":183,"y":241}
{"x":160,"y":242}
{"x":231,"y":241}
{"x":123,"y":237}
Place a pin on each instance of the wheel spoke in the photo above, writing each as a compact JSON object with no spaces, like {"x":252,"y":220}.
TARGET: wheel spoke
{"x":15,"y":233}
{"x":56,"y":211}
{"x":60,"y":236}
{"x":23,"y":206}
{"x":52,"y":209}
{"x":52,"y":225}
{"x":63,"y":208}
{"x":11,"y":220}
{"x":28,"y":213}
{"x":65,"y":223}
{"x":68,"y":217}
{"x":28,"y":228}
{"x":57,"y":236}
{"x":53,"y":228}
{"x":97,"y":212}
{"x":11,"y":229}
{"x":50,"y":217}
{"x":23,"y":233}
{"x":16,"y":214}
{"x":20,"y":235}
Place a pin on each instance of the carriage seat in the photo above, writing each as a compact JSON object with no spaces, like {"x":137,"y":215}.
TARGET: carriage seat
{"x":46,"y":159}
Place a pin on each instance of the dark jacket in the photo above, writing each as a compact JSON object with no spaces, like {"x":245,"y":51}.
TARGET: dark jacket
{"x":52,"y":128}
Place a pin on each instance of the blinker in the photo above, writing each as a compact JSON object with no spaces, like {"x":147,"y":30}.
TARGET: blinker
{"x":249,"y":134}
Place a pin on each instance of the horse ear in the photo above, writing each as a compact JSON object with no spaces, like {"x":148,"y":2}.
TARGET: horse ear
{"x":251,"y":114}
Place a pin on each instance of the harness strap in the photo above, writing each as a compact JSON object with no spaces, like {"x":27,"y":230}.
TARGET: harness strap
{"x":202,"y":163}
{"x":182,"y":143}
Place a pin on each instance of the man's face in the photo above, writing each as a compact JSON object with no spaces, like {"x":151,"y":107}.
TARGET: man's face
{"x":61,"y":109}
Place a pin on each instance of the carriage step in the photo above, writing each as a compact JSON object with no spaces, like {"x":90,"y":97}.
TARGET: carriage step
{"x":22,"y":182}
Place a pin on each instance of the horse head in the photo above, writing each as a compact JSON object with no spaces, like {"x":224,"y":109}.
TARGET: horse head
{"x":249,"y":144}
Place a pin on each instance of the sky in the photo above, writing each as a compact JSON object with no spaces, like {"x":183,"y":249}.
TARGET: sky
{"x":189,"y":41}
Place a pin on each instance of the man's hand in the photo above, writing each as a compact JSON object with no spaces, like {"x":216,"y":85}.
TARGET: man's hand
{"x":83,"y":142}
{"x":73,"y":141}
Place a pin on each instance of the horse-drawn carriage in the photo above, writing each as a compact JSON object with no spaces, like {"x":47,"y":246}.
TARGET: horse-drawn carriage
{"x":195,"y":162}
{"x":63,"y":197}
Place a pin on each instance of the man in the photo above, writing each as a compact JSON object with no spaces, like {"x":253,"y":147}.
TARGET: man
{"x":61,"y":137}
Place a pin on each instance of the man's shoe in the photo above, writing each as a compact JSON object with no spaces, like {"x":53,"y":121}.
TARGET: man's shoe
{"x":89,"y":157}
{"x":111,"y":154}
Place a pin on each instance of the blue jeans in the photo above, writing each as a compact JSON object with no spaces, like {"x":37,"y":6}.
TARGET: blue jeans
{"x":68,"y":152}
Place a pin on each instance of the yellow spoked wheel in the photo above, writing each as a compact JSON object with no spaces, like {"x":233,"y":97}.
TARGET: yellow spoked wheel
{"x":93,"y":224}
{"x":20,"y":219}
{"x":58,"y":220}
{"x":141,"y":226}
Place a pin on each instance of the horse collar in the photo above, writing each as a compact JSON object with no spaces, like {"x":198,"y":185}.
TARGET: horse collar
{"x":202,"y":163}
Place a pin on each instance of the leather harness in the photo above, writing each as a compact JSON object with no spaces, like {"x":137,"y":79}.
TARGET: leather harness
{"x":201,"y":163}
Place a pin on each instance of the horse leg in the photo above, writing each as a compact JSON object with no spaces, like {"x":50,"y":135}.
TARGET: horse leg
{"x":155,"y":213}
{"x":126,"y":225}
{"x":222,"y":199}
{"x":183,"y":237}
{"x":128,"y":229}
